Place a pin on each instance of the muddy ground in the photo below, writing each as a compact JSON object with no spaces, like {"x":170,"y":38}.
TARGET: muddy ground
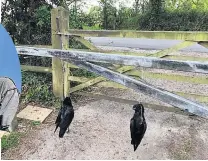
{"x":100,"y":130}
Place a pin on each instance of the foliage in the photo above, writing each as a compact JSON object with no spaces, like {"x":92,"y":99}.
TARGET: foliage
{"x":43,"y":19}
{"x":37,"y":87}
{"x":9,"y":141}
{"x":176,"y":20}
{"x":28,"y":22}
{"x":108,"y":14}
{"x":126,"y":18}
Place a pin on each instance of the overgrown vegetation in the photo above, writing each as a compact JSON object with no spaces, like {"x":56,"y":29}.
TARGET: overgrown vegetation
{"x":37,"y":87}
{"x":28,"y":22}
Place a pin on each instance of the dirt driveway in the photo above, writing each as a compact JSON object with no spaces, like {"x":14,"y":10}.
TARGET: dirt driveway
{"x":100,"y":130}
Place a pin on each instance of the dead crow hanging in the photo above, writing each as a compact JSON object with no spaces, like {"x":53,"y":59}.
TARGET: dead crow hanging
{"x":138,"y":125}
{"x":65,"y":117}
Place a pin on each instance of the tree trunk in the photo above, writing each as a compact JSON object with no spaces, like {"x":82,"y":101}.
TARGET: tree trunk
{"x":136,"y":6}
{"x":105,"y":15}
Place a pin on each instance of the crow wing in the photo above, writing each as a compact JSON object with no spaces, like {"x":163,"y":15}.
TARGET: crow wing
{"x":58,"y":119}
{"x":140,"y":131}
{"x":66,"y":121}
{"x":67,"y":118}
{"x":132,"y":129}
{"x":138,"y":128}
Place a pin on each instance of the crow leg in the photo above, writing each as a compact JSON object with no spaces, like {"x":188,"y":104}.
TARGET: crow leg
{"x":68,"y":130}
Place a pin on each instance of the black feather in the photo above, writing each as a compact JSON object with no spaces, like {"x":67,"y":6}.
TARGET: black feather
{"x":65,"y":116}
{"x":138,"y":125}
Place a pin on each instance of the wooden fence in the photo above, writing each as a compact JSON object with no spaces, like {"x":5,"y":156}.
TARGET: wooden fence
{"x":61,"y":69}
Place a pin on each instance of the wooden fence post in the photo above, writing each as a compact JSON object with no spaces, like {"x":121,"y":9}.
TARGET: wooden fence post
{"x":60,"y":69}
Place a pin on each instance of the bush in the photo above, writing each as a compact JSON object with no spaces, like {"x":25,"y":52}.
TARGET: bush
{"x":177,"y":20}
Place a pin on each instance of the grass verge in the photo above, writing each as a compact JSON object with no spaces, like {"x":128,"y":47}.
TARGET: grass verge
{"x":10,"y":141}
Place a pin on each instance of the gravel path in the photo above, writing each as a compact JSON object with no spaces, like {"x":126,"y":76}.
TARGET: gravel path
{"x":100,"y":130}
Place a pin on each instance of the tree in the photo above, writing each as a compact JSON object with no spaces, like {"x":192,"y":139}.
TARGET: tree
{"x":109,"y":13}
{"x":140,"y":6}
{"x":20,"y":19}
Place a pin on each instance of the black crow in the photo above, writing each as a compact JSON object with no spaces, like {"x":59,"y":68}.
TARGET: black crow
{"x":65,"y":117}
{"x":138,"y":125}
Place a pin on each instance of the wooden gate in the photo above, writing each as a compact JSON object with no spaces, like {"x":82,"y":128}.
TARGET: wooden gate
{"x":124,"y":62}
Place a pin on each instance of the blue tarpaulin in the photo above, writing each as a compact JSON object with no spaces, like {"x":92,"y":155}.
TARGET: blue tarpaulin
{"x":9,"y":60}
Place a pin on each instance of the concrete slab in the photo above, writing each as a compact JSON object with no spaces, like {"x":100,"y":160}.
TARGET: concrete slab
{"x":34,"y":113}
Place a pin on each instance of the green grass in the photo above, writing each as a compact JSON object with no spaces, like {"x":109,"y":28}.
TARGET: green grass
{"x":35,"y":123}
{"x":10,"y":141}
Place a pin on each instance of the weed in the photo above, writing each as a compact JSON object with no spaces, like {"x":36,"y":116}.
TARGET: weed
{"x":36,"y":123}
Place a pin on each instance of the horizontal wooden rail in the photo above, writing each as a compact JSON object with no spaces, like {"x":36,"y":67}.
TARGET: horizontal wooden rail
{"x":38,"y":46}
{"x":173,"y":35}
{"x":36,"y":69}
{"x":148,"y":62}
{"x":170,"y":56}
{"x":33,"y":51}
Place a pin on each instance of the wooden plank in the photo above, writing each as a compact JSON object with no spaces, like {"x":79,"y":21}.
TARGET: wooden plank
{"x":135,"y":53}
{"x":34,"y":113}
{"x":86,"y":43}
{"x":173,"y":49}
{"x":96,"y":80}
{"x":60,"y":23}
{"x":38,"y":46}
{"x":145,"y":88}
{"x":172,"y":35}
{"x":33,"y":51}
{"x":172,"y":77}
{"x":186,"y":58}
{"x":57,"y":73}
{"x":147,"y":62}
{"x":204,"y":44}
{"x":86,"y":84}
{"x":24,"y":50}
{"x":30,"y":50}
{"x":36,"y":69}
{"x":64,"y":21}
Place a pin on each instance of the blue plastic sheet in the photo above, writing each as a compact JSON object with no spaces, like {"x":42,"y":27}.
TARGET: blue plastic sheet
{"x":9,"y":60}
